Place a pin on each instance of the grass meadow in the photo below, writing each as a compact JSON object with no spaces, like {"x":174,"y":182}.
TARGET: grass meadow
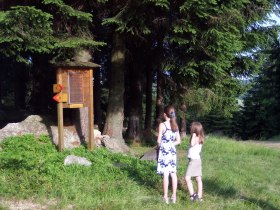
{"x":235,"y":176}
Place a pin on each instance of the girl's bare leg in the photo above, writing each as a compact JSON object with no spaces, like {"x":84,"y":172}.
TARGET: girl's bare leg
{"x":189,"y":184}
{"x":199,"y":186}
{"x":165,"y":184}
{"x":174,"y":186}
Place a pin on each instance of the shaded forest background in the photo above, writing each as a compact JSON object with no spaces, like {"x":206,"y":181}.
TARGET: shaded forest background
{"x":216,"y":61}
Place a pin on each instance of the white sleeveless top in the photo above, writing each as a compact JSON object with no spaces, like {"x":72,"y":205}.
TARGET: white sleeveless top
{"x":194,"y":151}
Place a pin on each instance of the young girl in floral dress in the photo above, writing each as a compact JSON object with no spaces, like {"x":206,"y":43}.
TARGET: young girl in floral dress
{"x":168,"y":138}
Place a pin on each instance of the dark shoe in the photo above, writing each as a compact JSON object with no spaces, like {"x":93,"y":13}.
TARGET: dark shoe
{"x":193,"y":197}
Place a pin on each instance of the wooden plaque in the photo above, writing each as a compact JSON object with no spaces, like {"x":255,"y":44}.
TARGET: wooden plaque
{"x":76,"y":87}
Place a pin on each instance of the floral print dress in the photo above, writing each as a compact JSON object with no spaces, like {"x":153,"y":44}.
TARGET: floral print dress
{"x":167,"y":158}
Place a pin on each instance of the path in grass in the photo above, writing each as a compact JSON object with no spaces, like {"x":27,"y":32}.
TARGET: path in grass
{"x":27,"y":204}
{"x":270,"y":144}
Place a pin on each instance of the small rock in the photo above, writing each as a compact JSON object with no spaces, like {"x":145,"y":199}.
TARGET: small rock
{"x":72,"y":159}
{"x":150,"y":155}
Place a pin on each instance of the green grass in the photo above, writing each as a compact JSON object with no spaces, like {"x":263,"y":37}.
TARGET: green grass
{"x":235,"y":176}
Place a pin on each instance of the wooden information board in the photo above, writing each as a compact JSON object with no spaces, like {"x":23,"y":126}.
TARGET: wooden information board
{"x":74,"y":89}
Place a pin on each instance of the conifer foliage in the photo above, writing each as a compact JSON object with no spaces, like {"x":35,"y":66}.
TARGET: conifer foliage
{"x":44,"y":27}
{"x":192,"y":52}
{"x":261,"y":111}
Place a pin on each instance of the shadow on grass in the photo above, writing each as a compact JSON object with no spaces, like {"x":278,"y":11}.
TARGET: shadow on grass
{"x":213,"y":187}
{"x":141,"y":172}
{"x":265,"y":205}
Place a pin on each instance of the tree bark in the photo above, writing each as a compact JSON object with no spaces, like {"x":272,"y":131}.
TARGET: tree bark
{"x":149,"y":98}
{"x":115,"y":110}
{"x":80,"y":121}
{"x":20,"y":86}
{"x":159,"y":100}
{"x":136,"y":92}
{"x":1,"y":95}
{"x":183,"y":121}
{"x":41,"y":89}
{"x":97,"y":98}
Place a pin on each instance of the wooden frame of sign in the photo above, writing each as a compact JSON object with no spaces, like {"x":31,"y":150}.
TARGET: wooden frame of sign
{"x":74,"y":89}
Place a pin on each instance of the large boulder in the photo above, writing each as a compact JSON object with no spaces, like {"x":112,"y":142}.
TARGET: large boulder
{"x":38,"y":125}
{"x":115,"y":145}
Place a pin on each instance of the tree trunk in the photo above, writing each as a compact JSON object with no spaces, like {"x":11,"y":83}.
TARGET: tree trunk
{"x":115,"y":110}
{"x":1,"y":95}
{"x":97,"y":98}
{"x":159,"y":100}
{"x":80,"y":121}
{"x":20,"y":86}
{"x":135,"y":113}
{"x":149,"y":98}
{"x":41,"y":89}
{"x":183,"y":121}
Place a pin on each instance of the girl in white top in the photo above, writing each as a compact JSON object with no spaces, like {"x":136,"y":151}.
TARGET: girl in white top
{"x":195,"y":167}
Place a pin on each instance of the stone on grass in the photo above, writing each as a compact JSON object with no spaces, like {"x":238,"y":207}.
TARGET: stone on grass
{"x":43,"y":125}
{"x":37,"y":126}
{"x":72,"y":159}
{"x":151,"y":154}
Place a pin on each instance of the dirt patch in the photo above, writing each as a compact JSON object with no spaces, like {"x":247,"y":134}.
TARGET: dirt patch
{"x":29,"y":204}
{"x":22,"y":205}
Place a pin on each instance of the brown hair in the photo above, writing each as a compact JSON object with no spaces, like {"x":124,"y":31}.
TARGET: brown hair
{"x":197,"y":128}
{"x":170,"y":113}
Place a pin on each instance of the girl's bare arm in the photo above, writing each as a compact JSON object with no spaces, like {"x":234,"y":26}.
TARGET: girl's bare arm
{"x":160,"y":129}
{"x":178,"y":139}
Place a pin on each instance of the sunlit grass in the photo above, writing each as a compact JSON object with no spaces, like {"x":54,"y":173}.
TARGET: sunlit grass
{"x":235,"y":176}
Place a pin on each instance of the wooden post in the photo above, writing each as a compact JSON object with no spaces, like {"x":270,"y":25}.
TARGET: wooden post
{"x":60,"y":115}
{"x":60,"y":126}
{"x":90,"y":113}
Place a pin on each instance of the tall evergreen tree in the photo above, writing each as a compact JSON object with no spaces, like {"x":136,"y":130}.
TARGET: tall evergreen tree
{"x":197,"y":45}
{"x":133,"y":20}
{"x":261,"y":111}
{"x":207,"y":44}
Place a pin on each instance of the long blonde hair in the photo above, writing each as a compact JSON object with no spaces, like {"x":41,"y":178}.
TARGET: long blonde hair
{"x":197,"y":128}
{"x":170,"y":113}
